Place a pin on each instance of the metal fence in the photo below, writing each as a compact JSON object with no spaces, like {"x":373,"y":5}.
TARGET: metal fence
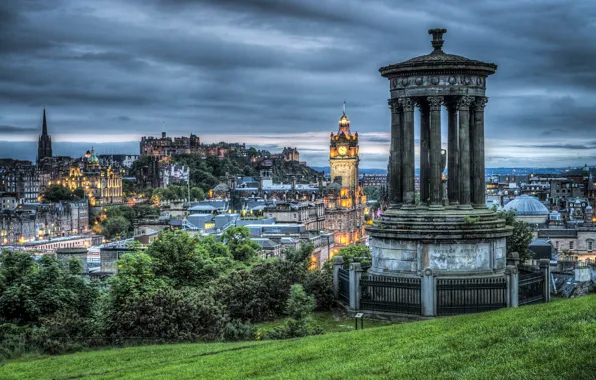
{"x":344,"y":285}
{"x":530,"y":286}
{"x":390,"y":294}
{"x":462,"y":296}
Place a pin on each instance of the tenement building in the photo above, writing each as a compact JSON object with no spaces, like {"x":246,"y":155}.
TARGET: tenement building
{"x":345,"y":202}
{"x":448,"y":232}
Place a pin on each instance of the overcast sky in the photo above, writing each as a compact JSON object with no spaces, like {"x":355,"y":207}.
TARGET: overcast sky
{"x":275,"y":73}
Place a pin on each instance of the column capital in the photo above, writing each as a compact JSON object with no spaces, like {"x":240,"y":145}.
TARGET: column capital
{"x":435,"y":102}
{"x":407,"y":103}
{"x":394,"y":105}
{"x":463,"y":103}
{"x":479,"y":103}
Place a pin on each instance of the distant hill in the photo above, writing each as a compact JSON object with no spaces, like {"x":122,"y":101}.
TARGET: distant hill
{"x":529,"y":342}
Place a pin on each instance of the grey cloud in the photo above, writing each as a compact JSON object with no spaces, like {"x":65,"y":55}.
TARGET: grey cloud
{"x":8,"y":129}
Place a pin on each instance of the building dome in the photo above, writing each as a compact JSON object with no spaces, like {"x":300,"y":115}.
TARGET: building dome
{"x":526,"y":205}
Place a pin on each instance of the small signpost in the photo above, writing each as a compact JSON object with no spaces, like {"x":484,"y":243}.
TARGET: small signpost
{"x":356,"y":318}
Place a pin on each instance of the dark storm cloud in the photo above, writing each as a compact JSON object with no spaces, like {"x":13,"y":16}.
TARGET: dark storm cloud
{"x":256,"y":67}
{"x":8,"y":129}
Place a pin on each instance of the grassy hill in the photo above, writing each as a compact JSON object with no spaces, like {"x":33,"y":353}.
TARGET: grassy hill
{"x":555,"y":341}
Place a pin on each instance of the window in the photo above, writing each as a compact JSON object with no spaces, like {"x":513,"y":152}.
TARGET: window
{"x":570,"y":245}
{"x":557,"y":245}
{"x":590,"y":245}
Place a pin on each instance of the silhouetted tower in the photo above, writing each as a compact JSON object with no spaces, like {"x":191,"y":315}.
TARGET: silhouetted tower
{"x":44,"y":146}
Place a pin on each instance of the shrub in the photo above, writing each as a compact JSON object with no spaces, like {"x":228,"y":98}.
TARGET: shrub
{"x":236,"y":331}
{"x":299,"y":307}
{"x":168,"y":315}
{"x":319,"y":284}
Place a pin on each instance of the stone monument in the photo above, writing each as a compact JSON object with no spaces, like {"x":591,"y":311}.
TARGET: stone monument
{"x":452,"y":234}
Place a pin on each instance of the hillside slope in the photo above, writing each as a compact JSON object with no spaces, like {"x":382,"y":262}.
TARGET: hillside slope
{"x":555,"y":341}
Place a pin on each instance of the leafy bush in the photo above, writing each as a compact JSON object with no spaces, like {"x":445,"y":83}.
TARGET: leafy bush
{"x":319,"y":284}
{"x":299,"y":307}
{"x":236,"y":331}
{"x":168,"y":315}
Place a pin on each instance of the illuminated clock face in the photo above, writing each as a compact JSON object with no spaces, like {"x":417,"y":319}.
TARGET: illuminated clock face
{"x":342,"y":150}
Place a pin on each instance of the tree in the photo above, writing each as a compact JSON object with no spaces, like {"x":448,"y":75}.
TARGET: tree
{"x":196,"y":193}
{"x":57,"y":193}
{"x":189,"y":261}
{"x":32,"y":290}
{"x":356,"y":253}
{"x":135,"y":277}
{"x":238,"y":240}
{"x":117,"y":225}
{"x":298,"y":307}
{"x":79,"y":193}
{"x":521,"y":238}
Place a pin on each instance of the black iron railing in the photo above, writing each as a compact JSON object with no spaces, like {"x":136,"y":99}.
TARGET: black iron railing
{"x":472,"y":295}
{"x":344,"y":285}
{"x":531,"y":287}
{"x":390,"y":294}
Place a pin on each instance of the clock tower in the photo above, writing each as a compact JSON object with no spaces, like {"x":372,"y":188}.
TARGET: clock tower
{"x":344,"y":155}
{"x":345,"y":202}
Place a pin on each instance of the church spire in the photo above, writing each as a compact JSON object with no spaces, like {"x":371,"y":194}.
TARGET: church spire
{"x":44,"y":129}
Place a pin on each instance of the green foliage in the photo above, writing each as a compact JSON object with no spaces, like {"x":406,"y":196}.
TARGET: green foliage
{"x":189,"y":261}
{"x":31,"y":290}
{"x":236,"y":331}
{"x":136,"y":277}
{"x":168,"y":315}
{"x":78,"y":193}
{"x":299,"y":307}
{"x":470,"y":220}
{"x":319,"y":284}
{"x":529,"y":342}
{"x":56,"y":193}
{"x":238,"y":241}
{"x":356,"y":253}
{"x":522,"y":236}
{"x":373,"y":193}
{"x":116,"y":226}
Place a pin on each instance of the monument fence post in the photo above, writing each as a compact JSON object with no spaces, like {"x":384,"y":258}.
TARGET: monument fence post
{"x":355,"y":273}
{"x":513,"y":259}
{"x":338,"y":263}
{"x":545,"y":269}
{"x":428,"y":293}
{"x":512,"y":276}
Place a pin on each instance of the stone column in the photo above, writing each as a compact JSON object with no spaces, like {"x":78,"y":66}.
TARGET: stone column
{"x":355,"y":273}
{"x":395,"y":178}
{"x":408,"y":186}
{"x":424,"y":152}
{"x":428,"y":293}
{"x":545,"y":269}
{"x":338,"y":263}
{"x":452,"y":155}
{"x":436,"y":168}
{"x":477,"y":153}
{"x":512,"y":277}
{"x":463,"y":106}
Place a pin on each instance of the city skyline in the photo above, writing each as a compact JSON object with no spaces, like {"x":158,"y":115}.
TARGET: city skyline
{"x":274,"y":75}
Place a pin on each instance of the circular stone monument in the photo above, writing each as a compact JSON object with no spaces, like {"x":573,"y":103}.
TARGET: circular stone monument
{"x":451,"y":232}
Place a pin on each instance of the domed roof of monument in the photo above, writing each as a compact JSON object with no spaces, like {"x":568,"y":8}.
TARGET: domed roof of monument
{"x":438,"y":60}
{"x":526,"y":205}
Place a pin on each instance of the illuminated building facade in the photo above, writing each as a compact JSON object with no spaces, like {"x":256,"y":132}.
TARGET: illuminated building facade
{"x":102,"y":186}
{"x":345,"y":202}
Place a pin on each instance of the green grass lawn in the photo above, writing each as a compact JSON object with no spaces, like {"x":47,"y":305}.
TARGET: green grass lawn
{"x":555,"y":341}
{"x":330,"y":321}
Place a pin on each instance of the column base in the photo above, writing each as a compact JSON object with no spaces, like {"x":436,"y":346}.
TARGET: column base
{"x":394,"y":206}
{"x":465,"y":207}
{"x":479,"y":205}
{"x":408,"y":207}
{"x":436,"y":207}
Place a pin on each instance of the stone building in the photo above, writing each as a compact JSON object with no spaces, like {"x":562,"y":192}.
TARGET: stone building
{"x":166,"y":146}
{"x":291,"y":154}
{"x":528,"y":209}
{"x":22,"y":178}
{"x":32,"y":222}
{"x":344,"y":198}
{"x":102,"y":186}
{"x":311,"y":214}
